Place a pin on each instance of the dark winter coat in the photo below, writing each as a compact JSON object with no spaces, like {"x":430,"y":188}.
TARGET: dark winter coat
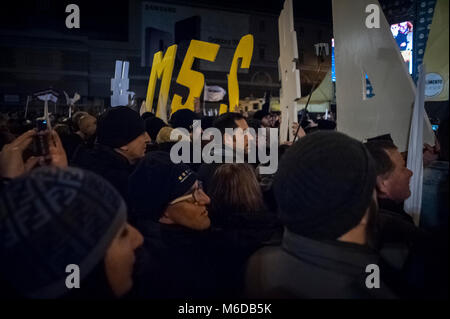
{"x":397,"y":208}
{"x":234,"y":240}
{"x":414,"y":261}
{"x":306,"y":268}
{"x":172,"y":263}
{"x":109,"y":164}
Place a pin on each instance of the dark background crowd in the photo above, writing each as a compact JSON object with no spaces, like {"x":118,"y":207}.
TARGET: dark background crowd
{"x":100,"y":191}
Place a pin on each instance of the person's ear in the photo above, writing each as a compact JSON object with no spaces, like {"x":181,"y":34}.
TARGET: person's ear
{"x":124,"y":148}
{"x":165,"y":219}
{"x":382,"y":186}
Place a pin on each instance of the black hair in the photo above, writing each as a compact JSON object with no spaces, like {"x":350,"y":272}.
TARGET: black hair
{"x":227,"y":120}
{"x":326,"y":125}
{"x":183,"y":118}
{"x":62,"y":129}
{"x":254,"y":123}
{"x":147,"y":115}
{"x":207,"y":122}
{"x":377,"y":148}
{"x":153,"y":125}
{"x":259,"y":115}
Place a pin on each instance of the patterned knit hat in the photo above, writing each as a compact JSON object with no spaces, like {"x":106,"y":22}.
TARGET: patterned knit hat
{"x":52,"y":218}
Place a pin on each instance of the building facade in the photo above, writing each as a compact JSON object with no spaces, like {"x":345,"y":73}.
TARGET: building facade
{"x":38,"y":51}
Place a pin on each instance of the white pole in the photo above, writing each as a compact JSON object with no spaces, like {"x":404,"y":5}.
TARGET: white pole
{"x":204,"y":95}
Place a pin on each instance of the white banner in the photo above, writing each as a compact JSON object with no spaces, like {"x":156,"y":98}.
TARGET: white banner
{"x":361,"y":50}
{"x":48,"y":97}
{"x":214,"y":93}
{"x":413,"y":204}
{"x":288,"y":72}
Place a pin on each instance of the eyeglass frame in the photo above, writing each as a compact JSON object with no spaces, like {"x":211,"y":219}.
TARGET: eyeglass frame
{"x":188,"y":196}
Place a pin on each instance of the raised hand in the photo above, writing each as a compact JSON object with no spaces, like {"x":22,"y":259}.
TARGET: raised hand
{"x":57,"y":155}
{"x":301,"y":131}
{"x":11,"y":160}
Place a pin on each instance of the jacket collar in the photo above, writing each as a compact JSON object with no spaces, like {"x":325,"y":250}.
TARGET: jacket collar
{"x":333,"y":254}
{"x":111,"y":155}
{"x":172,"y":235}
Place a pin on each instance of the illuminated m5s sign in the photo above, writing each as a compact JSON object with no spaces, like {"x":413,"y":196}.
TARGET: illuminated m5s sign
{"x":162,"y":69}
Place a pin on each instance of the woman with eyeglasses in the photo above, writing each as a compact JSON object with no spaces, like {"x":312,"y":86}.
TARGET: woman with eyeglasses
{"x":170,"y":209}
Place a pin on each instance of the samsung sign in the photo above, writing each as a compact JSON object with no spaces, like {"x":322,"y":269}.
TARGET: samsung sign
{"x":165,"y":25}
{"x":153,"y":7}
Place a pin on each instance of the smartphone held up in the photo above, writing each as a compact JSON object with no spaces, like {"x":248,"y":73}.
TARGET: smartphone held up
{"x":41,"y":143}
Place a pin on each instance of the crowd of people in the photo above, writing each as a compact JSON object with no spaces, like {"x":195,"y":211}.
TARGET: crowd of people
{"x":107,"y":197}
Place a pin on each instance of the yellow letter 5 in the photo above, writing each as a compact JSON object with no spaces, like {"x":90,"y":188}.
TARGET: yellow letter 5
{"x":244,"y":50}
{"x":161,"y":67}
{"x":192,"y":79}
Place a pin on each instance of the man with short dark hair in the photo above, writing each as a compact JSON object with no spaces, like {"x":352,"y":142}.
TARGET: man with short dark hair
{"x":410,"y":272}
{"x":234,"y":121}
{"x":264,"y":117}
{"x":230,"y":120}
{"x":392,"y":176}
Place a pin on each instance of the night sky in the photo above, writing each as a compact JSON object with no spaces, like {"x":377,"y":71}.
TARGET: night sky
{"x":319,"y":10}
{"x":110,"y":18}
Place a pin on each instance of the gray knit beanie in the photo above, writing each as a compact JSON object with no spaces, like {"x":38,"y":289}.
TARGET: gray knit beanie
{"x":324,"y":185}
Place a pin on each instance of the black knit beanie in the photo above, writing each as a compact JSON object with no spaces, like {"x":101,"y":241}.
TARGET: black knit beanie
{"x":153,"y":125}
{"x":324,"y":185}
{"x":183,"y":118}
{"x":119,"y":126}
{"x":156,"y":182}
{"x":52,"y":218}
{"x":147,"y":115}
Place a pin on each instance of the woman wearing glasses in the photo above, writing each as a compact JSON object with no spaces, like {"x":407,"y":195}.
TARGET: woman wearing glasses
{"x":170,"y":208}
